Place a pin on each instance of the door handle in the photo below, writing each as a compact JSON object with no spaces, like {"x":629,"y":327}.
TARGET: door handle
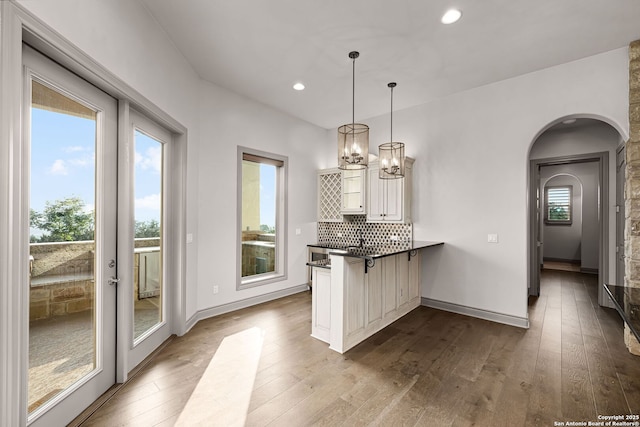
{"x":113,"y":280}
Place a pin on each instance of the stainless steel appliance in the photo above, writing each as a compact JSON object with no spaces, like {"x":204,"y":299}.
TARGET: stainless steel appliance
{"x":315,"y":254}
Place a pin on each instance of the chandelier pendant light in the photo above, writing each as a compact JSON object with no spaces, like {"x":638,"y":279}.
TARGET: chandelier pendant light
{"x":391,"y":154}
{"x":353,"y":138}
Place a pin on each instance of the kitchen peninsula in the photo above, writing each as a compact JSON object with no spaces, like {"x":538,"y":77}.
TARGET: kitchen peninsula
{"x":360,"y":290}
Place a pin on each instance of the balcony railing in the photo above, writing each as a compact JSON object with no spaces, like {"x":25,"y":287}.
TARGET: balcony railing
{"x":62,"y":276}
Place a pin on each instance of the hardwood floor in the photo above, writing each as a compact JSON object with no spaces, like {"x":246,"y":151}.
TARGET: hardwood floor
{"x":430,"y":368}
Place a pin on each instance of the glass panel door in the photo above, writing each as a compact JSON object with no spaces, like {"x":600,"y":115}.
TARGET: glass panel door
{"x":147,"y":276}
{"x":72,"y":143}
{"x":62,"y":251}
{"x":143,"y":187}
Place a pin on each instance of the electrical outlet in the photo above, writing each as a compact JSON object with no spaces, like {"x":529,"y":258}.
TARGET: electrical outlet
{"x":216,"y":289}
{"x":298,"y":232}
{"x":492,"y":238}
{"x":189,"y":238}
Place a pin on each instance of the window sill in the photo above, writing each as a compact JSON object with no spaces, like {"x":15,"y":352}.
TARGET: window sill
{"x":260,"y":279}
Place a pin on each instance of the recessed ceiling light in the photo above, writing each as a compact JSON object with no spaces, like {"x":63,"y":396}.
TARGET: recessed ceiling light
{"x":298,"y":86}
{"x":451,"y":16}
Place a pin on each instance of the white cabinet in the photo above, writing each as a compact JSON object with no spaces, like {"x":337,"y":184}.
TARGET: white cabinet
{"x":402,"y":271}
{"x":364,"y":303}
{"x":353,"y":192}
{"x":408,"y":278}
{"x":329,"y":195}
{"x":391,"y":283}
{"x":389,"y":200}
{"x":321,"y":304}
{"x":414,"y":277}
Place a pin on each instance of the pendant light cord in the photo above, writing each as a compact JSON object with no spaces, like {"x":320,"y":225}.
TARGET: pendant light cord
{"x":391,"y":141}
{"x":353,"y":93}
{"x":391,"y":86}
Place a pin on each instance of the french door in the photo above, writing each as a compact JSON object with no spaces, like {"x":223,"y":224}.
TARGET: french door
{"x":143,"y":162}
{"x":71,"y":135}
{"x":98,"y":191}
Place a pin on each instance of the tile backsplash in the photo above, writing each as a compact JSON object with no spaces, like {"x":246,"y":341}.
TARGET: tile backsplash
{"x":346,"y":233}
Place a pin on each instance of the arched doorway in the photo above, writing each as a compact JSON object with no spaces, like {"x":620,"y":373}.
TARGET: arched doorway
{"x":593,"y":146}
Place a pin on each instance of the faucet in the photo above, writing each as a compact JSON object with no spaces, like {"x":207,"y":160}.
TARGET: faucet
{"x":360,"y":240}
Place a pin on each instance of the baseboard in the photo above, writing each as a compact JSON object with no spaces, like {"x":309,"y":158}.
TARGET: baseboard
{"x":238,"y":305}
{"x":588,"y":270}
{"x":492,"y":316}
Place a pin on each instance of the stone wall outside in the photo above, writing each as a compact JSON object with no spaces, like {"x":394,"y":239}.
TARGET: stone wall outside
{"x":61,"y":277}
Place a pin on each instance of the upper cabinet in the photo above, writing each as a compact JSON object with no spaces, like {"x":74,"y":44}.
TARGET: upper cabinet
{"x":329,"y":195}
{"x":360,"y":192}
{"x":353,"y":192}
{"x":389,"y":200}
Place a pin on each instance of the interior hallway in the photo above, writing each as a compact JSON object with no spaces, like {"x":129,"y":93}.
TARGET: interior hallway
{"x":430,"y":368}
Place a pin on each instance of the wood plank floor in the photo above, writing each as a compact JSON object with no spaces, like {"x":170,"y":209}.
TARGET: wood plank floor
{"x":431,"y":368}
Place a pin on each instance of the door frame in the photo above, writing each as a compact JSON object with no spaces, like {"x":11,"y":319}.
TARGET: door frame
{"x":39,"y":68}
{"x":602,"y":158}
{"x":18,"y":25}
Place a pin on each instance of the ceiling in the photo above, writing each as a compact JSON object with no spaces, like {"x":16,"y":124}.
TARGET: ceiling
{"x":260,"y":48}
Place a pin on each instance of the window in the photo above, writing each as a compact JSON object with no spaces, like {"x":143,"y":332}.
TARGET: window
{"x":558,"y":206}
{"x":261,"y":211}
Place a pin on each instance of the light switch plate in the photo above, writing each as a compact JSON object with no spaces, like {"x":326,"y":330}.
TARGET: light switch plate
{"x":298,"y":231}
{"x":189,"y":238}
{"x":492,"y":238}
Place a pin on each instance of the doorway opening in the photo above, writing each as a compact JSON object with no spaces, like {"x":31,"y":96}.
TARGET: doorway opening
{"x":576,"y":207}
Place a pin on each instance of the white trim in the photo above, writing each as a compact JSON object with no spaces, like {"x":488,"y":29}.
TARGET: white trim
{"x":245,"y":303}
{"x":13,"y":257}
{"x":507,"y":319}
{"x":125,"y":235}
{"x":178,"y":237}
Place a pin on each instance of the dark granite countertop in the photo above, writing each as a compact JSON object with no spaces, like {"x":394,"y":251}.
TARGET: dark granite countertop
{"x":627,"y":302}
{"x":377,"y":251}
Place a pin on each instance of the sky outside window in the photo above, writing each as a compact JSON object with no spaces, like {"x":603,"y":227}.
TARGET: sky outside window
{"x":63,"y":164}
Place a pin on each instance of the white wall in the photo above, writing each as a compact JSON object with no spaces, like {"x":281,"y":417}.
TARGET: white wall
{"x":226,"y":121}
{"x":471,"y":172}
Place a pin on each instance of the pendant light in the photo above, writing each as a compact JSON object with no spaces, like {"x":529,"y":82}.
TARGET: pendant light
{"x":391,"y":154}
{"x":353,"y":138}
